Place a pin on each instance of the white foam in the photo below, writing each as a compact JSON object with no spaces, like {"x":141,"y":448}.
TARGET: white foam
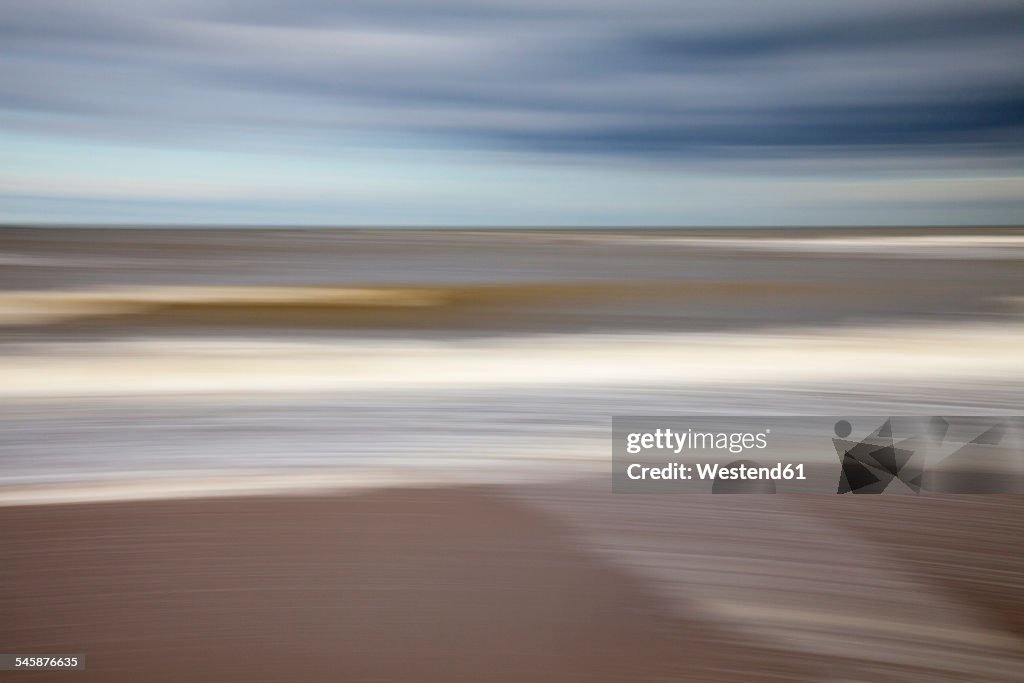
{"x":914,"y":246}
{"x":211,"y":367}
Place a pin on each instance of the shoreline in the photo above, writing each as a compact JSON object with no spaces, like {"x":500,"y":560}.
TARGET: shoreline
{"x":527,"y":582}
{"x":395,"y":585}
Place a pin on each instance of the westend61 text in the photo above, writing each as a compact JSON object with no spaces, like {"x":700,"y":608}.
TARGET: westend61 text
{"x":716,"y":472}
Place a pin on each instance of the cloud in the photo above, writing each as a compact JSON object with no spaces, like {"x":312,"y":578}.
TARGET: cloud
{"x":676,"y":84}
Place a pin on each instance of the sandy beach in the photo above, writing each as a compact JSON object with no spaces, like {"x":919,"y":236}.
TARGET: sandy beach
{"x":405,"y":585}
{"x":510,"y":584}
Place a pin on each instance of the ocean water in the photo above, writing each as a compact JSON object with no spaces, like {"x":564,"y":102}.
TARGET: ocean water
{"x":139,"y":361}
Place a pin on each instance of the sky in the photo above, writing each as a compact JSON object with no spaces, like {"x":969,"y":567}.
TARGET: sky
{"x":528,"y":112}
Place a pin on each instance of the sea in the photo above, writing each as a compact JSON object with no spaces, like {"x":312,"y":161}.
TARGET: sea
{"x":140,"y":362}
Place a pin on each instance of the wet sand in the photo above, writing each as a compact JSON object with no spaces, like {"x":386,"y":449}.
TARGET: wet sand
{"x":405,"y":585}
{"x":885,"y":588}
{"x":505,"y":584}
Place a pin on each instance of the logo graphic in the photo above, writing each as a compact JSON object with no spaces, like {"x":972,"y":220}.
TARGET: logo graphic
{"x":874,"y":463}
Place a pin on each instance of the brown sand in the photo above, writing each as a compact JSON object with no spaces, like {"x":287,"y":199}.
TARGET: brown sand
{"x":886,"y":588}
{"x":404,"y":585}
{"x":529,"y":583}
